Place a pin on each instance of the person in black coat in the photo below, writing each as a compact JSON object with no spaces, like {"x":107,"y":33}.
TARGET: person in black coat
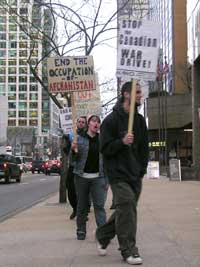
{"x":125,"y":158}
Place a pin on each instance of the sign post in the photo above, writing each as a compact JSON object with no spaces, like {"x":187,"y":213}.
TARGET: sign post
{"x":132,"y":107}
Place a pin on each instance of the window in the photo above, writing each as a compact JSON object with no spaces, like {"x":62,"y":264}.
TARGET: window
{"x":22,"y":79}
{"x":33,"y":105}
{"x":2,"y":44}
{"x":2,"y":27}
{"x":33,"y":114}
{"x":2,"y":70}
{"x":22,"y":114}
{"x":33,"y":123}
{"x":12,"y":53}
{"x":23,"y":96}
{"x":2,"y":79}
{"x":22,"y":105}
{"x":12,"y":105}
{"x":33,"y":87}
{"x":45,"y":104}
{"x":22,"y":122}
{"x":22,"y":70}
{"x":2,"y":62}
{"x":2,"y":36}
{"x":23,"y":11}
{"x":2,"y":19}
{"x":12,"y":36}
{"x":12,"y":62}
{"x":33,"y":96}
{"x":22,"y":62}
{"x":22,"y":87}
{"x":23,"y":53}
{"x":13,"y":28}
{"x":2,"y":88}
{"x":11,"y":122}
{"x":32,"y":79}
{"x":12,"y":88}
{"x":2,"y":53}
{"x":12,"y":44}
{"x":12,"y":79}
{"x":11,"y":96}
{"x":11,"y":113}
{"x":12,"y":70}
{"x":23,"y":44}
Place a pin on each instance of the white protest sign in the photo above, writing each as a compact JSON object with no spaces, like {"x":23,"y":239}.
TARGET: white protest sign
{"x":66,"y":120}
{"x":71,"y":74}
{"x":138,"y":48}
{"x":87,"y":103}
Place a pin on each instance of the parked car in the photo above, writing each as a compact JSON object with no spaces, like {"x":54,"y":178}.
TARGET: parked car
{"x":10,"y":168}
{"x":52,"y":166}
{"x":37,"y":165}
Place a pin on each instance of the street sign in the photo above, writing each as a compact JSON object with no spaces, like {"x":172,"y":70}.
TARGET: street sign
{"x":71,"y":74}
{"x":138,"y":48}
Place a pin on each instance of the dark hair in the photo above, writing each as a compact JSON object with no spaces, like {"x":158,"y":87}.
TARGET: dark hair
{"x":126,"y":87}
{"x":82,"y":117}
{"x":94,"y":116}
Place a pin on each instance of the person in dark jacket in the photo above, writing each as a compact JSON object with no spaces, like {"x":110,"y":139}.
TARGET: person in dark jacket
{"x":125,"y":158}
{"x":81,"y":125}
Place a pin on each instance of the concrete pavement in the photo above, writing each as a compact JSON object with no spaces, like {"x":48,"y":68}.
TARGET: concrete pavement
{"x":168,"y":232}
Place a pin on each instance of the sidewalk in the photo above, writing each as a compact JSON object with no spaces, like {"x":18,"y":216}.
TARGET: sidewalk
{"x":168,"y":232}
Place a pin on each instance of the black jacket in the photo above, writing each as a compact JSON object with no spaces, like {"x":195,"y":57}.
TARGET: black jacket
{"x":123,"y":162}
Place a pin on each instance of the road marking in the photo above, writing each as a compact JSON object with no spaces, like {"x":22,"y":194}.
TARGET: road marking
{"x":23,"y":183}
{"x":43,"y":179}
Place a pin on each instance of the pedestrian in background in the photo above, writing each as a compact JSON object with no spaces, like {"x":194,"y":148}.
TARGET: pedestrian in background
{"x":81,"y":127}
{"x":90,"y":180}
{"x":125,"y":158}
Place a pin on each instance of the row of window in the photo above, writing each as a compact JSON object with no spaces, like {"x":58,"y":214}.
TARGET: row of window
{"x":13,"y":36}
{"x":15,"y":44}
{"x":13,"y":62}
{"x":21,"y":87}
{"x":24,"y":96}
{"x":22,"y":114}
{"x":22,"y":53}
{"x":24,"y":122}
{"x":13,"y":79}
{"x":22,"y":105}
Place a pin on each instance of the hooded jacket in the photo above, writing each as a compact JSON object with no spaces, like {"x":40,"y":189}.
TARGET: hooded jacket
{"x":123,"y":162}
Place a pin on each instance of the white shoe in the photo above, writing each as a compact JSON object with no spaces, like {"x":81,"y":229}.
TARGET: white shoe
{"x":101,"y":251}
{"x":134,"y":260}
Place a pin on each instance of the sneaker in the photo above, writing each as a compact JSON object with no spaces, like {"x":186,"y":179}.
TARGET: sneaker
{"x":101,"y":250}
{"x":134,"y":260}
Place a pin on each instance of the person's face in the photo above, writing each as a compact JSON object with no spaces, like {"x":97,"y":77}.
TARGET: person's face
{"x":81,"y":123}
{"x":94,"y":125}
{"x":138,"y":95}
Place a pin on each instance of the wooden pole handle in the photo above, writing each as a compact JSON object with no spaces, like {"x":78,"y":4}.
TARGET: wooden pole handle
{"x":132,"y":107}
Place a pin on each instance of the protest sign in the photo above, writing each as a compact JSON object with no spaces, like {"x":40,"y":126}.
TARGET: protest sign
{"x":66,"y":120}
{"x":87,"y":103}
{"x":71,"y":74}
{"x":138,"y":47}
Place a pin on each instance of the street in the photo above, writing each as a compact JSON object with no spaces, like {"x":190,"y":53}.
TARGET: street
{"x":15,"y":197}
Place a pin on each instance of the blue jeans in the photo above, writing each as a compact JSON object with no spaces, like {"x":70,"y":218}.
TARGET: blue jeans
{"x":97,"y":188}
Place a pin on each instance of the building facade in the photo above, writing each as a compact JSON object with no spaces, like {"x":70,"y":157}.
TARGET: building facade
{"x":21,"y":21}
{"x":169,"y":104}
{"x":193,"y":25}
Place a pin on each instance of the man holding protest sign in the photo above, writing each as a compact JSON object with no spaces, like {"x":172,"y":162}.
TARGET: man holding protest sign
{"x":125,"y":157}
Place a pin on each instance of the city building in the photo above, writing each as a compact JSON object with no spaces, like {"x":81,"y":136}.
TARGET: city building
{"x":169,"y":104}
{"x":29,"y":108}
{"x":193,"y":25}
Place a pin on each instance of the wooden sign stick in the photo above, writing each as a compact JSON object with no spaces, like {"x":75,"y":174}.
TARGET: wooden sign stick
{"x":73,"y":119}
{"x":132,"y":107}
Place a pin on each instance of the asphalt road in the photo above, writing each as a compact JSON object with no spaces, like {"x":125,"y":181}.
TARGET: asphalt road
{"x":15,"y":197}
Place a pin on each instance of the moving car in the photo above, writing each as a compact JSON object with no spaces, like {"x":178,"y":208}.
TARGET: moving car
{"x":10,"y":168}
{"x":37,"y":165}
{"x":52,"y":166}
